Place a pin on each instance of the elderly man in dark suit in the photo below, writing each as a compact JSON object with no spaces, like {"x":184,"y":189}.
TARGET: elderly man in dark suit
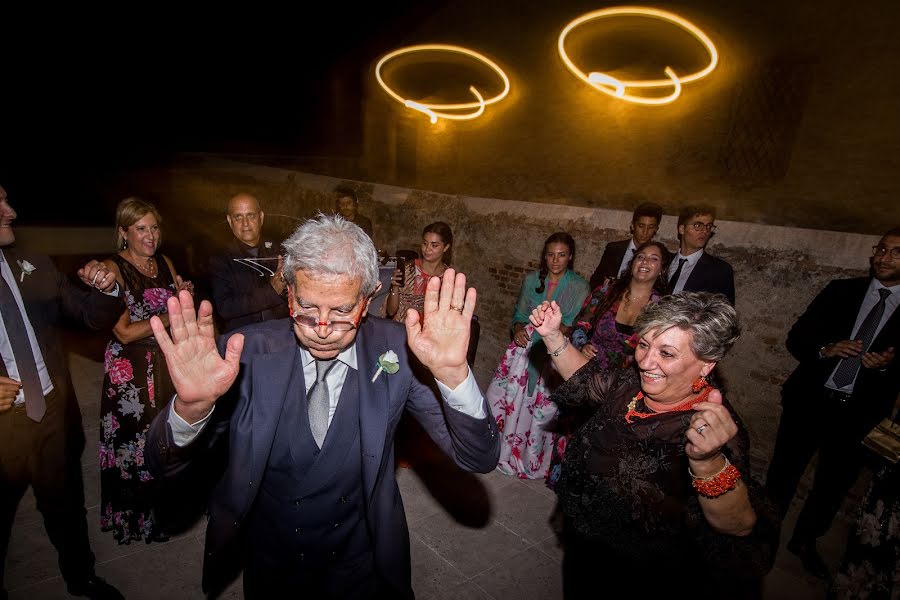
{"x":846,"y":382}
{"x":247,"y":286}
{"x":41,"y":438}
{"x":644,"y":224}
{"x":297,"y":422}
{"x":693,"y":269}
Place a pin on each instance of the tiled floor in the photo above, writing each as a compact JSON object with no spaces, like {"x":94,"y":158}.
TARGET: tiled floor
{"x":472,"y":537}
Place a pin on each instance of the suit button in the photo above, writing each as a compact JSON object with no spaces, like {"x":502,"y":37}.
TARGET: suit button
{"x":301,"y":557}
{"x":237,"y":524}
{"x":297,"y":530}
{"x":298,"y":501}
{"x":343,"y":499}
{"x":336,"y":525}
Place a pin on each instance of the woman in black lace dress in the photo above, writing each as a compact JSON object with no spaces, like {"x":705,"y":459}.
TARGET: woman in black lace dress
{"x":656,"y":489}
{"x":136,"y":386}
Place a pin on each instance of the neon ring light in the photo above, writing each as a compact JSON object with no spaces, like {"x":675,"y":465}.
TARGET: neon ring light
{"x":618,"y":88}
{"x":435,"y":111}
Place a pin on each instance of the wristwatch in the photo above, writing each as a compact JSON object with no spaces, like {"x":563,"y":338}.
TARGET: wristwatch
{"x":822,"y":351}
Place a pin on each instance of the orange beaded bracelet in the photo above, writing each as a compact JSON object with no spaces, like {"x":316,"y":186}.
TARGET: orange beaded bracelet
{"x":720,"y":483}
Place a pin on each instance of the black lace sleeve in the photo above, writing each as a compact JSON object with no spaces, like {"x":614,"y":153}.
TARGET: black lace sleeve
{"x":592,"y":385}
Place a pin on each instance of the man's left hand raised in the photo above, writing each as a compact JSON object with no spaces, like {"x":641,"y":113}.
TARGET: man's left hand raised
{"x":441,"y":340}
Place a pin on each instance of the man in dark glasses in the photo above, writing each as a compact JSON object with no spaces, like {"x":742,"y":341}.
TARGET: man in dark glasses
{"x":693,"y":269}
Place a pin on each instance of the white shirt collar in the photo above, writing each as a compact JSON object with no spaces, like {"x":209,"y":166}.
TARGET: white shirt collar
{"x":691,"y":258}
{"x":348,"y":356}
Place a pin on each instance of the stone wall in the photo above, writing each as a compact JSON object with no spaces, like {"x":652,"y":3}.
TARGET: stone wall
{"x":778,"y":270}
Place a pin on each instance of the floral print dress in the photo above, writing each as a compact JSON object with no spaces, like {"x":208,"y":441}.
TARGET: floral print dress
{"x":135,"y":389}
{"x":519,"y":392}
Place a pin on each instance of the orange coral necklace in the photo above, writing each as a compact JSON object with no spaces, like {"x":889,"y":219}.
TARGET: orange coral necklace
{"x":684,"y":406}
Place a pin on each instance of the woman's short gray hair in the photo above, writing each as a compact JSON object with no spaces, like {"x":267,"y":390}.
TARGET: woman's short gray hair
{"x":329,"y":244}
{"x":710,"y":318}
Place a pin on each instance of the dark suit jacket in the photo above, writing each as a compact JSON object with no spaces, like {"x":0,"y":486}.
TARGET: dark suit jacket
{"x":609,"y":262}
{"x":236,"y":442}
{"x":49,"y":297}
{"x":242,"y":296}
{"x":830,"y":318}
{"x":711,"y":274}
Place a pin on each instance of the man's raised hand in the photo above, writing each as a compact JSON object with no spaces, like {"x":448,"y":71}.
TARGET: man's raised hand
{"x":199,"y":374}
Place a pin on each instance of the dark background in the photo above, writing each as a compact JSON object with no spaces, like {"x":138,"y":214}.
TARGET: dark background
{"x":86,"y":96}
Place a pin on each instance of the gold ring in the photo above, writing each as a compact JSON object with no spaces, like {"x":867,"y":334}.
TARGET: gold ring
{"x":456,"y":308}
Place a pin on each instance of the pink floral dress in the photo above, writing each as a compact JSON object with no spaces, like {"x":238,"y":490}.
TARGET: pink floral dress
{"x":135,"y":389}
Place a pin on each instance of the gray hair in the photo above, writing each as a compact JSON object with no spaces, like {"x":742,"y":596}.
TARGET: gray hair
{"x":709,"y":318}
{"x":329,"y":244}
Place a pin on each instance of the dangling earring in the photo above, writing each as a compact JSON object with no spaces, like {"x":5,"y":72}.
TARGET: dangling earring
{"x":124,"y":243}
{"x":699,"y":384}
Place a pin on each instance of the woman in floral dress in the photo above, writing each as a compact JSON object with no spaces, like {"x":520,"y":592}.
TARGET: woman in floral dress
{"x":519,"y":393}
{"x":603,"y":331}
{"x":137,"y":385}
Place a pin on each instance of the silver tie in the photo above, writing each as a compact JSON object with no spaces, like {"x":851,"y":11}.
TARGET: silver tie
{"x":318,"y":401}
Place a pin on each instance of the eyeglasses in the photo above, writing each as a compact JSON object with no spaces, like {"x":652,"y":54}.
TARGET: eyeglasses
{"x":698,"y":225}
{"x":311,"y":322}
{"x":880,"y":250}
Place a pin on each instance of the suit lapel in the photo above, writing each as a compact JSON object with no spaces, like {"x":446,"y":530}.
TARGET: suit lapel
{"x":374,"y":402}
{"x":268,"y":397}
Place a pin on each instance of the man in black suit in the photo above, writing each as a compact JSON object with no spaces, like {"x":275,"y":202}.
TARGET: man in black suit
{"x":693,"y":269}
{"x":247,"y":286}
{"x":616,"y":256}
{"x":846,"y":382}
{"x":41,"y":438}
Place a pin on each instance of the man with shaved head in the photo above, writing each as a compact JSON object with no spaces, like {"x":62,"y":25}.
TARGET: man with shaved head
{"x":247,"y":286}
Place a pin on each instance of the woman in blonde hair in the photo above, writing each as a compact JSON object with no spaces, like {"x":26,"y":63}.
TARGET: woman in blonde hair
{"x":136,"y":386}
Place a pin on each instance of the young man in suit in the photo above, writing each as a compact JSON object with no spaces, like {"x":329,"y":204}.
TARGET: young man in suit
{"x":693,"y":269}
{"x":846,"y":382}
{"x":247,"y":286}
{"x":297,"y":422}
{"x":41,"y":437}
{"x":616,"y":256}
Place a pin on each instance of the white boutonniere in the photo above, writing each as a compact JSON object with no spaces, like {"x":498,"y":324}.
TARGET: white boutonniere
{"x":268,"y":245}
{"x":389,"y":361}
{"x":27,"y":269}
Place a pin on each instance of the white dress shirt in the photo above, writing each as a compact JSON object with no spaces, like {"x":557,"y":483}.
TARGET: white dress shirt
{"x":692,"y":260}
{"x":629,"y":254}
{"x":466,"y":398}
{"x":9,"y":360}
{"x":871,"y":299}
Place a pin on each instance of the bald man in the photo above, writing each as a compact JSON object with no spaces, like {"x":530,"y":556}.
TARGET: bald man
{"x":247,"y":286}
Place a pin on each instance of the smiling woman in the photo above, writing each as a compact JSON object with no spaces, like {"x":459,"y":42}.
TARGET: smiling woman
{"x":519,"y":393}
{"x":659,"y":475}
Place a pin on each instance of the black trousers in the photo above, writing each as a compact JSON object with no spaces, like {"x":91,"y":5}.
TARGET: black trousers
{"x":832,"y":428}
{"x":47,"y":456}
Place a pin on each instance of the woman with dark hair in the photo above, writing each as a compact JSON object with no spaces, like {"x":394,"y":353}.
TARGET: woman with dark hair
{"x":604,"y":330}
{"x":136,"y":386}
{"x":519,"y":393}
{"x":656,"y":488}
{"x":408,"y":288}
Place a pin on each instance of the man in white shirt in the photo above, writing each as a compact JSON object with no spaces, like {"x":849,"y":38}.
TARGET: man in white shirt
{"x":617,"y":255}
{"x":301,"y":440}
{"x":846,"y":381}
{"x":41,"y":437}
{"x":693,"y":269}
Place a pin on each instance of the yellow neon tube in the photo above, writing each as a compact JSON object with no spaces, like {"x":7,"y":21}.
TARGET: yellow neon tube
{"x":435,"y":111}
{"x":617,"y":88}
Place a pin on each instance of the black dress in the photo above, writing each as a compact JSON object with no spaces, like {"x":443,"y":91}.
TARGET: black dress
{"x":136,"y":388}
{"x":631,"y":512}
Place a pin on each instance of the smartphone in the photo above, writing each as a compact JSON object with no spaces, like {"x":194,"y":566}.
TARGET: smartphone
{"x":401,"y":264}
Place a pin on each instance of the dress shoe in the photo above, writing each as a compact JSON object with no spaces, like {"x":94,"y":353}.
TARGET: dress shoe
{"x":809,"y":558}
{"x":95,"y":588}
